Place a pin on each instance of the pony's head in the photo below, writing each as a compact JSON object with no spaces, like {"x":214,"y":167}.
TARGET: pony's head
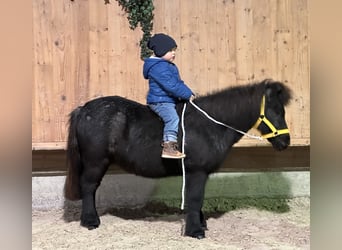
{"x":271,"y":122}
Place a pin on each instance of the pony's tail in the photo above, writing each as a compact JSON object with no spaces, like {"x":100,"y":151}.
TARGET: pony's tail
{"x":74,"y":166}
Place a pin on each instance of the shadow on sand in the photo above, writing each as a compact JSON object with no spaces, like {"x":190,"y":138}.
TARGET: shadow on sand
{"x":215,"y":202}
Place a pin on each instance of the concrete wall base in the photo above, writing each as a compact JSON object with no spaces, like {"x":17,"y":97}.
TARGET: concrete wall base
{"x":129,"y":191}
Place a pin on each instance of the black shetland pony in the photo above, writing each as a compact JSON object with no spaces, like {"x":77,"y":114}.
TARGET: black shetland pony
{"x":113,"y":129}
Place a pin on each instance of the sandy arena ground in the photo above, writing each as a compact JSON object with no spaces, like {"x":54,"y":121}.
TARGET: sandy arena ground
{"x":239,"y":229}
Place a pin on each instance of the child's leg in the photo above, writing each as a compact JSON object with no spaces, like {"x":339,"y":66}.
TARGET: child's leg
{"x":167,"y":111}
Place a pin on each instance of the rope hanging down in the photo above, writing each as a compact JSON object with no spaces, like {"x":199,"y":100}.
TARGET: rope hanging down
{"x":183,"y":149}
{"x":183,"y":140}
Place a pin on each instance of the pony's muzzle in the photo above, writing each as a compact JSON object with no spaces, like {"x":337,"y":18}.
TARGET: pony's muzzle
{"x":280,"y":142}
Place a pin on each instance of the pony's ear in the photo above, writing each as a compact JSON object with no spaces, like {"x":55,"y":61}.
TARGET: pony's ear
{"x":268,"y":92}
{"x":269,"y":88}
{"x":279,"y":90}
{"x":284,"y":92}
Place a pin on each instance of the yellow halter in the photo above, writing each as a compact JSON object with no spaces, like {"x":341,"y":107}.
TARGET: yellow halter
{"x":262,"y":118}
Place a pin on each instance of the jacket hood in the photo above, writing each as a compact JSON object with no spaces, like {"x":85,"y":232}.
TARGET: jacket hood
{"x":149,"y":63}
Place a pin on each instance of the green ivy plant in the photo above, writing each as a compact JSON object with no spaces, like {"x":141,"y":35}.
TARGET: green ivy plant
{"x":139,"y":12}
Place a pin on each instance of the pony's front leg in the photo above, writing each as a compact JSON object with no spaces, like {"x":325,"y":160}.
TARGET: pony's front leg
{"x":195,"y":223}
{"x":203,"y":221}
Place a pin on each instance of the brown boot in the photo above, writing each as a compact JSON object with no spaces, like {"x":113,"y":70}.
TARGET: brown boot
{"x":170,"y":150}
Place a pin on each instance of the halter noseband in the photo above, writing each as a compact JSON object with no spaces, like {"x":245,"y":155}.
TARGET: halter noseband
{"x":262,"y":118}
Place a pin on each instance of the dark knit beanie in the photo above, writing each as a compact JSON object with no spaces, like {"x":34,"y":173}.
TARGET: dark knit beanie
{"x":161,"y":44}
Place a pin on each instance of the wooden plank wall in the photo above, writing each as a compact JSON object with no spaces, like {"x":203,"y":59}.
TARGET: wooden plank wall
{"x":84,"y":49}
{"x":241,"y":159}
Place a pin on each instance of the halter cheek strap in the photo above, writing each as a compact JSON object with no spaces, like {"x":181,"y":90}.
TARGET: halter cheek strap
{"x":262,"y":118}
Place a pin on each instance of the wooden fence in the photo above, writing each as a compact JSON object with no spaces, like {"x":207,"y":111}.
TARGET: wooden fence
{"x":84,"y":49}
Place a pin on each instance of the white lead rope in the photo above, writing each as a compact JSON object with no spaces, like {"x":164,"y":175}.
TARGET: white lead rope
{"x":183,"y":149}
{"x":225,"y":125}
{"x":183,"y":140}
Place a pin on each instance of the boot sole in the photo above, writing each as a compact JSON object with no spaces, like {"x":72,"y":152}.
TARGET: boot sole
{"x":173,"y":157}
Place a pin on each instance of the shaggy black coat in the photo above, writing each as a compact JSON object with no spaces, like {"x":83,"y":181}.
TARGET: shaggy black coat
{"x":116,"y":130}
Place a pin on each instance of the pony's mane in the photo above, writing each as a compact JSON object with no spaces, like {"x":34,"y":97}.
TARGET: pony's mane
{"x":254,"y":90}
{"x":237,"y":98}
{"x":233,"y":101}
{"x":234,"y":91}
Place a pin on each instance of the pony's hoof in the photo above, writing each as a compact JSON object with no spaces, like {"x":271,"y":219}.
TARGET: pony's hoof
{"x":90,"y":222}
{"x":199,"y":237}
{"x":91,"y":227}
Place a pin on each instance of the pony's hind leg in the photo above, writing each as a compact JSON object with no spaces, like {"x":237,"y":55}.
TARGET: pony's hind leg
{"x":91,"y":177}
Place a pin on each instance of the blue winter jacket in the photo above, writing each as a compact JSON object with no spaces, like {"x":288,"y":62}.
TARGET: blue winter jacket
{"x":164,"y":81}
